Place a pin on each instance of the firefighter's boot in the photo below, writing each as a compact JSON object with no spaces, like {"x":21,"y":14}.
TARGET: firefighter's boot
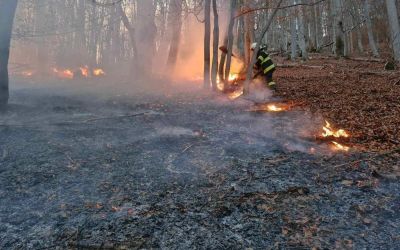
{"x":272,"y":85}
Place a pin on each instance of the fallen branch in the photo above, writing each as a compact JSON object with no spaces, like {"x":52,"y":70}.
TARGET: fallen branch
{"x":360,"y":59}
{"x":115,"y":117}
{"x":300,"y":65}
{"x":364,"y":72}
{"x":187,"y":148}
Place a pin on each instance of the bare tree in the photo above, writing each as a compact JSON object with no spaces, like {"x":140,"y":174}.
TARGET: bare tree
{"x":207,"y":37}
{"x":7,"y":12}
{"x":371,"y":39}
{"x":293,"y":33}
{"x":302,"y":33}
{"x":230,"y":39}
{"x":394,"y":27}
{"x":214,"y":67}
{"x":132,"y":35}
{"x":175,"y":20}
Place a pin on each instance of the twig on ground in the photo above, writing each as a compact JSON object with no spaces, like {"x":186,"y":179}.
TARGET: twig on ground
{"x":187,"y":148}
{"x":115,"y":117}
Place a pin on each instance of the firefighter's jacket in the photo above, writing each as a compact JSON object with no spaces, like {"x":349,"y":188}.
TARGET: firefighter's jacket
{"x":264,"y":62}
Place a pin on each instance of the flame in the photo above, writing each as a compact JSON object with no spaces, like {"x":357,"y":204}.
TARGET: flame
{"x":235,"y":94}
{"x":66,"y":73}
{"x":340,"y":147}
{"x":274,"y":108}
{"x":27,"y":73}
{"x":84,"y":71}
{"x":233,"y":77}
{"x":98,"y":72}
{"x":329,"y":131}
{"x":271,"y":107}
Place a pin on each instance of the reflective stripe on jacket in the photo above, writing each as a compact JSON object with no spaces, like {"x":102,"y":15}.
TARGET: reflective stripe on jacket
{"x":265,"y":62}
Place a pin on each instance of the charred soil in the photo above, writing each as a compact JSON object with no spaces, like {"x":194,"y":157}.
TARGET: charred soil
{"x":185,"y":171}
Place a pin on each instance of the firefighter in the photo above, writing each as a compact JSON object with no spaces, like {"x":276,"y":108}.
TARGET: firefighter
{"x":265,"y":65}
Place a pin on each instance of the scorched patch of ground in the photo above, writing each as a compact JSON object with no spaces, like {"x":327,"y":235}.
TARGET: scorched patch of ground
{"x":185,"y":171}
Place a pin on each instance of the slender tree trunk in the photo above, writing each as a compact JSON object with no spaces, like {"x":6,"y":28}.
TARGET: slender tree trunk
{"x":132,"y":36}
{"x":214,"y":67}
{"x":248,"y":32}
{"x":230,"y":39}
{"x":394,"y":27}
{"x":7,"y":12}
{"x":207,"y":37}
{"x":371,"y":39}
{"x":222,"y":60}
{"x":302,"y":34}
{"x":175,"y":17}
{"x":145,"y":35}
{"x":339,"y":41}
{"x":293,"y":33}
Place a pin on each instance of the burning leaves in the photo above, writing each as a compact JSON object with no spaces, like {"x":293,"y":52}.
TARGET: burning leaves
{"x":329,"y":131}
{"x":332,"y":135}
{"x":98,"y":72}
{"x":272,"y":107}
{"x":65,"y":73}
{"x":83,"y":71}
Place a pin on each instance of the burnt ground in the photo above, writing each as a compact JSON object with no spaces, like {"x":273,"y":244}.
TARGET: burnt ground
{"x":185,"y":170}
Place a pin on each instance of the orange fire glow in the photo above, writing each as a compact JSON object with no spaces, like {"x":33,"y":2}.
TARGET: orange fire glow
{"x":329,"y":131}
{"x":233,"y":77}
{"x":66,"y":73}
{"x":84,"y":71}
{"x":27,"y":73}
{"x":271,"y":107}
{"x":340,"y":147}
{"x":236,"y":94}
{"x":98,"y":72}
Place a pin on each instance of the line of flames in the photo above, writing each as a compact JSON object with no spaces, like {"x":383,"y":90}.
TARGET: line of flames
{"x":69,"y":73}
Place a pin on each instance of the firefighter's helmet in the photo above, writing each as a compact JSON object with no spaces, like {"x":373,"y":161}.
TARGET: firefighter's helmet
{"x":254,"y":45}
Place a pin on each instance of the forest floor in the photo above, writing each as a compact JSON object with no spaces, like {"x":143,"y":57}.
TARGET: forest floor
{"x":359,"y":96}
{"x":85,"y":169}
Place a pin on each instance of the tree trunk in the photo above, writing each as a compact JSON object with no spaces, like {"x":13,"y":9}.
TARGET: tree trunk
{"x":221,"y":65}
{"x":248,"y":31}
{"x":293,"y":33}
{"x":394,"y":27}
{"x":371,"y":39}
{"x":207,"y":35}
{"x":302,"y":34}
{"x":214,"y":67}
{"x":175,"y":18}
{"x":7,"y":12}
{"x":339,"y":41}
{"x":131,"y":31}
{"x":145,"y":35}
{"x":230,"y":39}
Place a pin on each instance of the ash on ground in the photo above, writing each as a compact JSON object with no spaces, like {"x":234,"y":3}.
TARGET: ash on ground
{"x":182,"y":171}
